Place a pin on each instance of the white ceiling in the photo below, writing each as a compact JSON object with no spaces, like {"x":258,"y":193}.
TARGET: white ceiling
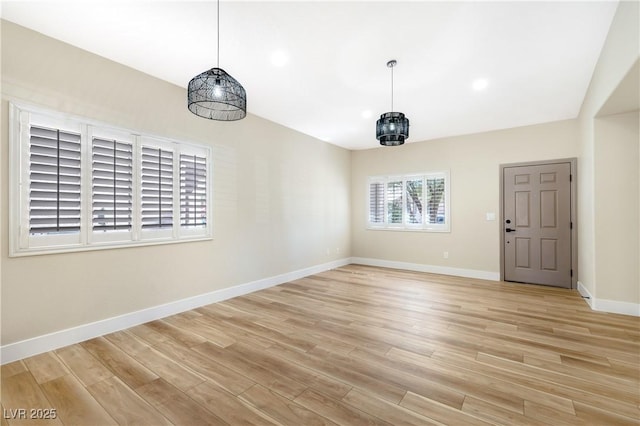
{"x":537,"y":57}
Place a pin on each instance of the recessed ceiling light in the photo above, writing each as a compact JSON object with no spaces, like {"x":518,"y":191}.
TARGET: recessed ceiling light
{"x":366,"y":114}
{"x":279,"y":58}
{"x":480,"y":84}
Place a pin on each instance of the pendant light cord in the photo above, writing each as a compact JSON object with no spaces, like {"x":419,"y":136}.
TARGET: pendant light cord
{"x":218,"y":17}
{"x":391,"y":89}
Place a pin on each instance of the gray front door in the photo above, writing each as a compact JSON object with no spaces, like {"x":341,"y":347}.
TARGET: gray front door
{"x":537,"y":224}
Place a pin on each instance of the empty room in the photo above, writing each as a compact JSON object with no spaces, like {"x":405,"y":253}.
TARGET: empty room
{"x":320,"y":213}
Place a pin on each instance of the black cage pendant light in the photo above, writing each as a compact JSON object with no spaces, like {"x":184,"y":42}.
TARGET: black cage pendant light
{"x":216,"y":95}
{"x":393,"y":127}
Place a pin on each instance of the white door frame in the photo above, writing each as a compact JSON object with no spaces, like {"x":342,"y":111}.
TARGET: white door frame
{"x":574,"y":212}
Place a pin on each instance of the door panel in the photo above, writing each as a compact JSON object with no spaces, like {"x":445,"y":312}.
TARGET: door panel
{"x":523,"y":209}
{"x":548,"y":209}
{"x":523,"y":252}
{"x":548,"y":254}
{"x":537,"y":213}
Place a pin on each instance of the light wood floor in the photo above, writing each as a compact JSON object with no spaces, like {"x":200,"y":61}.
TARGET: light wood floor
{"x":356,"y":345}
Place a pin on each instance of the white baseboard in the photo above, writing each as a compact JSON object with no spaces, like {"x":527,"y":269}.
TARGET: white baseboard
{"x":419,"y":267}
{"x":611,"y":306}
{"x":616,"y":307}
{"x":48,"y":342}
{"x":584,"y":292}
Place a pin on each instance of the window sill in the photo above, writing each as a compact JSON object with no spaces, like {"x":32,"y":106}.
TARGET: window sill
{"x":97,"y":246}
{"x":399,"y":229}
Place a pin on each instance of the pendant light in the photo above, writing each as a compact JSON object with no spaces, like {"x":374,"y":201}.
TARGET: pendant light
{"x":216,"y":95}
{"x":393,"y":127}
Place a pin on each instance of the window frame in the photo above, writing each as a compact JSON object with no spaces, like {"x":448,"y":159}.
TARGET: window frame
{"x":405,"y":224}
{"x":23,"y":243}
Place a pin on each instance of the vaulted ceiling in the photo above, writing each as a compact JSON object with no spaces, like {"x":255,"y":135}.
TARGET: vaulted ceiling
{"x":320,"y":67}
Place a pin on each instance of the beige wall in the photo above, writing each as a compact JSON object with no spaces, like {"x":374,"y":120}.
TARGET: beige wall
{"x":281,"y":198}
{"x":473,"y":160}
{"x":619,"y":54}
{"x":617,"y":209}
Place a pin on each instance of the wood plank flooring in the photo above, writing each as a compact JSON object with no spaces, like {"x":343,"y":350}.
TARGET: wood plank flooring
{"x":353,"y":346}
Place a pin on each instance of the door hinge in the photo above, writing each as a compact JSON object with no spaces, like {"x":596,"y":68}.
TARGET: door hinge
{"x":571,"y":273}
{"x":570,"y":178}
{"x":570,"y":225}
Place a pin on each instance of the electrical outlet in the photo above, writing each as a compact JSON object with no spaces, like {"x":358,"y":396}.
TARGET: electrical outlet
{"x":445,"y":254}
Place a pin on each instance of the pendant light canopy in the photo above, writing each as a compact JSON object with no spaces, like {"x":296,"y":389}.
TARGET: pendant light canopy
{"x":215,"y":95}
{"x":393,"y":127}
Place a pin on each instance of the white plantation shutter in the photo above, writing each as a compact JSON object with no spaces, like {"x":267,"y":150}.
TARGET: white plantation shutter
{"x":193,"y":190}
{"x":112,"y":185}
{"x":394,"y":201}
{"x":54,"y":181}
{"x":157,"y":188}
{"x":376,"y":202}
{"x":436,"y":200}
{"x":79,"y":185}
{"x":415,"y":200}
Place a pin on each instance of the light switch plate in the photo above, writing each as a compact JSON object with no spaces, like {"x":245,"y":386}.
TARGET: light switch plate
{"x":491,"y":216}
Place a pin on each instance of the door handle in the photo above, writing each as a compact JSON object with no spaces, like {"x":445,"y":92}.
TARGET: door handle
{"x":510,"y":230}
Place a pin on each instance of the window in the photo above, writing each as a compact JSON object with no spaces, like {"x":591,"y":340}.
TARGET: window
{"x":394,"y":202}
{"x":79,"y":185}
{"x":410,"y":202}
{"x":111,"y":185}
{"x":54,"y":181}
{"x":193,"y":190}
{"x":376,"y":203}
{"x":157,"y":188}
